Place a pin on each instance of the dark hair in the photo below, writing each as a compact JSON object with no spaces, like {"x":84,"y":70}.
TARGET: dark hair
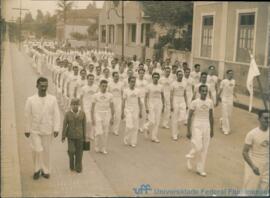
{"x":129,"y":78}
{"x":228,"y":71}
{"x":115,"y":72}
{"x":75,"y":66}
{"x":103,"y":82}
{"x":141,"y":69}
{"x":41,"y":79}
{"x":178,"y":72}
{"x":89,"y":75}
{"x":130,"y":63}
{"x":261,"y":112}
{"x":155,"y":73}
{"x":197,"y":65}
{"x":75,"y":101}
{"x":203,"y":73}
{"x":187,"y":69}
{"x":185,"y":63}
{"x":174,"y":66}
{"x":201,"y":86}
{"x":83,"y":70}
{"x":167,"y":68}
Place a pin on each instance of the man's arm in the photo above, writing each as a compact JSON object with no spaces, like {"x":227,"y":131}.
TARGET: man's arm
{"x":84,"y":127}
{"x":93,"y":113}
{"x":28,"y":116}
{"x":140,"y":107}
{"x":146,"y":102}
{"x":247,"y":159}
{"x":189,"y":134}
{"x":64,"y":130}
{"x":211,"y":120}
{"x":163,"y":101}
{"x":56,"y":118}
{"x":171,"y":99}
{"x":112,"y":112}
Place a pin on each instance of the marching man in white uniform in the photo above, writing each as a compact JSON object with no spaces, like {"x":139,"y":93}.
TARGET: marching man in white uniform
{"x":226,"y":95}
{"x":212,"y":80}
{"x":189,"y":89}
{"x":154,"y":105}
{"x":115,"y":87}
{"x":256,"y":156}
{"x":42,"y":123}
{"x":102,"y":114}
{"x":200,"y":130}
{"x":178,"y":104}
{"x":132,"y":111}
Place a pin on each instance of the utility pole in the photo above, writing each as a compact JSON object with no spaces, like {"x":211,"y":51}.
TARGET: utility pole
{"x":20,"y":27}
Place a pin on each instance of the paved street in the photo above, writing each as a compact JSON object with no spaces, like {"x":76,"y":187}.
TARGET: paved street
{"x":161,"y":165}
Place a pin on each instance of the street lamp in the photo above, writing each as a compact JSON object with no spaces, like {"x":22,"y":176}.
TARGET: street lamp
{"x":116,"y":3}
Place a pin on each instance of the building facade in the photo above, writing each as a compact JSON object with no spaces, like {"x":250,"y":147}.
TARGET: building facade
{"x":135,"y":40}
{"x":225,"y":32}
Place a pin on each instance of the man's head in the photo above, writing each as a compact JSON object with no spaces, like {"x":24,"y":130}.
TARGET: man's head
{"x":75,"y":103}
{"x":106,"y":72}
{"x":174,"y":69}
{"x":129,"y":72}
{"x":229,"y":74}
{"x":90,"y":79}
{"x":197,"y":67}
{"x":42,"y":85}
{"x":263,"y":116}
{"x":75,"y":70}
{"x":91,"y":67}
{"x":141,"y":72}
{"x":83,"y":74}
{"x":115,"y":76}
{"x":203,"y":77}
{"x":148,"y":61}
{"x":203,"y":90}
{"x":179,"y":75}
{"x":167,"y":71}
{"x":98,"y":70}
{"x":113,"y":63}
{"x":103,"y":85}
{"x":155,"y":77}
{"x":134,"y":58}
{"x":132,"y":81}
{"x":187,"y":72}
{"x":211,"y":70}
{"x":185,"y":65}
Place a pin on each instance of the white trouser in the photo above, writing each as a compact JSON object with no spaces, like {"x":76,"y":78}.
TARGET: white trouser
{"x":117,"y":102}
{"x":143,"y":119}
{"x":132,"y":124}
{"x":189,"y":95}
{"x":255,"y":182}
{"x":167,"y":109}
{"x":155,"y":109}
{"x":90,"y":132}
{"x":200,"y":141}
{"x":178,"y":116}
{"x":214,"y":96}
{"x":41,"y":146}
{"x":227,"y":106}
{"x":102,"y":129}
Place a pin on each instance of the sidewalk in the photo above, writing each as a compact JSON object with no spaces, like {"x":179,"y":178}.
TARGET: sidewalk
{"x":10,"y":169}
{"x":63,"y":182}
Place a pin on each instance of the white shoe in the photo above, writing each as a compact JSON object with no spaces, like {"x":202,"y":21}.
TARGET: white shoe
{"x":175,"y":138}
{"x":165,"y":126}
{"x":133,"y":145}
{"x":104,"y":152}
{"x":115,"y":133}
{"x":189,"y":156}
{"x":189,"y":165}
{"x":141,"y":130}
{"x":203,"y":174}
{"x":226,"y":133}
{"x":156,"y":140}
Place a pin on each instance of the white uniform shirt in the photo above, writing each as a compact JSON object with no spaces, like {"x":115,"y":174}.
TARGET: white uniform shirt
{"x":166,"y":84}
{"x":131,"y":97}
{"x":228,"y":88}
{"x":87,"y":94}
{"x":116,"y":89}
{"x":42,"y":114}
{"x":102,"y":101}
{"x":190,"y":84}
{"x":201,"y":109}
{"x":154,"y":92}
{"x":178,"y":89}
{"x":141,"y":86}
{"x":212,"y":81}
{"x":196,"y":76}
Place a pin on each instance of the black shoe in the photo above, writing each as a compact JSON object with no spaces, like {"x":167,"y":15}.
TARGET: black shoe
{"x":47,"y":176}
{"x":78,"y":170}
{"x":36,"y":175}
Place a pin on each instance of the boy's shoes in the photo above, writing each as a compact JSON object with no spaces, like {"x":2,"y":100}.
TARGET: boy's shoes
{"x":36,"y":175}
{"x":47,"y":176}
{"x":78,"y":170}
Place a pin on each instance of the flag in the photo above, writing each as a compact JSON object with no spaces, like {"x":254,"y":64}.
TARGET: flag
{"x":252,"y":72}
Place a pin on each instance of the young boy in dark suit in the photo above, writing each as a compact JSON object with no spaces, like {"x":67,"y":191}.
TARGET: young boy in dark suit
{"x":74,"y":128}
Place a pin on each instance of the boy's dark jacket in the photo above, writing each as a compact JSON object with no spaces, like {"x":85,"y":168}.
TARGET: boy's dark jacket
{"x":74,"y":126}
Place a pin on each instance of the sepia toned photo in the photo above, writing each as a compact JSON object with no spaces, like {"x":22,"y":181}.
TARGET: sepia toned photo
{"x":134,"y":98}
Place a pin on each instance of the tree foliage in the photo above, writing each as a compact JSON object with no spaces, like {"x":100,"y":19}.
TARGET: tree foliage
{"x":78,"y":36}
{"x":174,"y":15}
{"x":92,"y":31}
{"x":64,"y":6}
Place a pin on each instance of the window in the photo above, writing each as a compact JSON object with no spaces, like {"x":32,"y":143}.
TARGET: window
{"x":103,"y":34}
{"x":111,"y":33}
{"x":133,"y":33}
{"x":207,"y":36}
{"x":142,"y":32}
{"x":245,"y":36}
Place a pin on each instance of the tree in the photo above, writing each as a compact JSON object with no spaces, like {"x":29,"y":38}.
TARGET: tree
{"x":64,"y":6}
{"x":78,"y":36}
{"x":175,"y":16}
{"x":39,"y":17}
{"x":92,"y":31}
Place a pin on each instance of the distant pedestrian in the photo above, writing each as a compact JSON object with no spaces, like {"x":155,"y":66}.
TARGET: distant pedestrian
{"x":74,"y":128}
{"x":42,"y":122}
{"x":256,"y":156}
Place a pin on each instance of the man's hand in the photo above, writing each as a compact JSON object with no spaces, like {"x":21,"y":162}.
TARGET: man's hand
{"x":211,"y":133}
{"x":147,"y":111}
{"x":55,"y":133}
{"x":122,"y":116}
{"x":163,"y":107}
{"x":63,"y":139}
{"x":189,"y":135}
{"x":111,"y":121}
{"x":140,"y":114}
{"x":256,"y":170}
{"x":171,"y":109}
{"x":27,"y":134}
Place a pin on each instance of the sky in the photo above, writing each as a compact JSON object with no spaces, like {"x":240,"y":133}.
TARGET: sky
{"x":33,"y":5}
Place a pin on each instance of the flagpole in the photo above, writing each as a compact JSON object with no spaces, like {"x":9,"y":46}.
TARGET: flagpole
{"x":260,"y":87}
